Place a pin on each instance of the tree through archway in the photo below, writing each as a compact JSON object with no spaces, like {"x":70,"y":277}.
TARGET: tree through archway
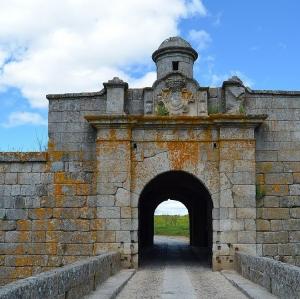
{"x":185,"y":188}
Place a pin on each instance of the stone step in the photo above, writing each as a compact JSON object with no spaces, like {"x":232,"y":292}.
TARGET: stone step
{"x":112,"y":286}
{"x":249,"y":288}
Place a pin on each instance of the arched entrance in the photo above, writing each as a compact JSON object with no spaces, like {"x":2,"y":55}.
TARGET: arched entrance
{"x":183,"y":187}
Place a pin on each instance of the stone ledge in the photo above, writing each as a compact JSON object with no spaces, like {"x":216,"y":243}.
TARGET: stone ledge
{"x":247,"y":287}
{"x":275,"y":92}
{"x":125,"y":121}
{"x":76,"y":95}
{"x":280,"y":279}
{"x":77,"y":279}
{"x":22,"y":157}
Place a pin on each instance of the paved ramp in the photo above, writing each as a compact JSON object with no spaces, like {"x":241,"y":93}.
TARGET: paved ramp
{"x":171,"y":270}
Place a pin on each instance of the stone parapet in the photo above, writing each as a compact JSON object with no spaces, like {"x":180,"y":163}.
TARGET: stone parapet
{"x":278,"y":278}
{"x":23,"y":157}
{"x":72,"y":281}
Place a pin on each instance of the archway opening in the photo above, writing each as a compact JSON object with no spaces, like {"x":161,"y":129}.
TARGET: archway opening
{"x":171,"y":219}
{"x":191,"y":192}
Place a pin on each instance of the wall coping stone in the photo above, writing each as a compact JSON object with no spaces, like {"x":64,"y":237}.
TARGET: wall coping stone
{"x":22,"y":157}
{"x":274,"y":92}
{"x":55,"y":283}
{"x":76,"y":95}
{"x":279,"y":278}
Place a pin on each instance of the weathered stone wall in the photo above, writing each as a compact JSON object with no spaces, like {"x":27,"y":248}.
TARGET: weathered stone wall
{"x":81,"y":198}
{"x":222,"y":158}
{"x":278,"y":174}
{"x":70,"y":282}
{"x":24,"y":182}
{"x":48,"y":211}
{"x":278,"y":278}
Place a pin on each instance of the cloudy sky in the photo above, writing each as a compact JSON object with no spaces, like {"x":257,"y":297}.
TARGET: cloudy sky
{"x":74,"y":45}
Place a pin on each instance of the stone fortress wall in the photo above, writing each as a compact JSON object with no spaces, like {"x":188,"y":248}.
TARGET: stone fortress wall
{"x":81,"y":197}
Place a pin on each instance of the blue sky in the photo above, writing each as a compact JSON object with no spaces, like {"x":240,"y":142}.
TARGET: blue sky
{"x":84,"y":43}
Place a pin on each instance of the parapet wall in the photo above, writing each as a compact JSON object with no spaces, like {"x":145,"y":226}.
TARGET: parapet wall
{"x":72,"y":281}
{"x":278,"y":278}
{"x":24,"y":184}
{"x":277,"y":174}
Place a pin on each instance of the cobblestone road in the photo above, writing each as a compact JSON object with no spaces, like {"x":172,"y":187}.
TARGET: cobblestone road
{"x":171,"y":270}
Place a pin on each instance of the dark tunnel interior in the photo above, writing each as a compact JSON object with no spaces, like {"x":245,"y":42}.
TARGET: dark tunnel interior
{"x":185,"y":188}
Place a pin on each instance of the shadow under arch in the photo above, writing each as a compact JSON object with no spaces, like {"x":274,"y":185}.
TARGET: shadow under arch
{"x":185,"y":188}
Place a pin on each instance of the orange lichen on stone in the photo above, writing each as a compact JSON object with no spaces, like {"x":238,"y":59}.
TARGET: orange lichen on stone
{"x":41,"y":213}
{"x":97,"y":224}
{"x":183,"y":154}
{"x":24,"y":225}
{"x":237,"y":144}
{"x":64,"y":178}
{"x":58,"y":189}
{"x":82,"y":189}
{"x":54,"y":155}
{"x":260,"y":179}
{"x":20,"y":272}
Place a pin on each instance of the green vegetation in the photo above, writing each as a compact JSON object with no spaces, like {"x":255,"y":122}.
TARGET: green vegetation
{"x":161,"y":109}
{"x":213,"y":109}
{"x":171,"y":225}
{"x":260,"y":192}
{"x":242,"y":109}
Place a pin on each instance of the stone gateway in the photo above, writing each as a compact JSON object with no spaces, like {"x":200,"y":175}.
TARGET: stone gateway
{"x":230,"y":154}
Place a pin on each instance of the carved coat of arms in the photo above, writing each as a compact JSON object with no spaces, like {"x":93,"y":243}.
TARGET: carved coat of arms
{"x":174,"y":99}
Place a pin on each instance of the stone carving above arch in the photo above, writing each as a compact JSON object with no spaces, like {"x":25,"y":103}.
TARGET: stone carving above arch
{"x":175,"y":98}
{"x":176,"y":94}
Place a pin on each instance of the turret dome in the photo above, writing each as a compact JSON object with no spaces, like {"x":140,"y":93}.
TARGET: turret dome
{"x":174,"y":55}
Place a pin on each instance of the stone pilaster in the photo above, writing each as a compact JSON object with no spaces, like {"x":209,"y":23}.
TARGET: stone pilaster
{"x":237,"y":212}
{"x":115,"y":230}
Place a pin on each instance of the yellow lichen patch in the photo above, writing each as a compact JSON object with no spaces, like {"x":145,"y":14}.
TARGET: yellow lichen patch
{"x":51,"y":248}
{"x":19,"y":249}
{"x":237,"y":144}
{"x":63,"y":178}
{"x":24,"y":236}
{"x":58,"y":189}
{"x":82,"y":189}
{"x":276,"y":188}
{"x":260,"y":179}
{"x":41,"y":213}
{"x":20,"y":272}
{"x":24,"y":225}
{"x":97,"y":224}
{"x":23,"y":261}
{"x":183,"y":154}
{"x":53,"y":154}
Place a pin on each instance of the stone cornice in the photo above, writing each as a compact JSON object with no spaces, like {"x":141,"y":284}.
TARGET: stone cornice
{"x":76,"y":95}
{"x":22,"y":157}
{"x":274,"y":92}
{"x":153,"y":121}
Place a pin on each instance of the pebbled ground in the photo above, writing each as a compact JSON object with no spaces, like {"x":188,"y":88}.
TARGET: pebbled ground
{"x":172,"y":270}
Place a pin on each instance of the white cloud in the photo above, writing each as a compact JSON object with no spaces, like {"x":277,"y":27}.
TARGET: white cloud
{"x":171,"y":207}
{"x":217,"y":79}
{"x":23,"y":118}
{"x":201,"y":38}
{"x":217,"y":19}
{"x":75,"y":45}
{"x":196,"y":7}
{"x":3,"y":56}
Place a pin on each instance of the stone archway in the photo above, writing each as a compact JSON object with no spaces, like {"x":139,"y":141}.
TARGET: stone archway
{"x":185,"y":188}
